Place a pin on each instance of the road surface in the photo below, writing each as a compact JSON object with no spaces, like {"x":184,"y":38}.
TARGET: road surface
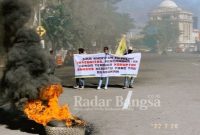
{"x":165,"y":99}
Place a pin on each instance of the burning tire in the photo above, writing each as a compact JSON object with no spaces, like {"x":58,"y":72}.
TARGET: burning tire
{"x":64,"y":130}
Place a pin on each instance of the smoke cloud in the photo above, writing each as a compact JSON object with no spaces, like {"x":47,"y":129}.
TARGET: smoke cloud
{"x":27,"y":67}
{"x":14,"y":15}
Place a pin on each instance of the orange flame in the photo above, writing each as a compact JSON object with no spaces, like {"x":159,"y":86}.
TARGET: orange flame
{"x":46,"y":108}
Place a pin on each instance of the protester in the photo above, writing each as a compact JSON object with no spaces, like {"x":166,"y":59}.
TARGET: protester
{"x":128,"y":81}
{"x":52,"y":65}
{"x":80,"y":82}
{"x":106,"y":51}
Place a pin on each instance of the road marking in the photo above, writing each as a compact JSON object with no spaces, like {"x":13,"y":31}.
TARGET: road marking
{"x":127,"y":101}
{"x":195,"y":64}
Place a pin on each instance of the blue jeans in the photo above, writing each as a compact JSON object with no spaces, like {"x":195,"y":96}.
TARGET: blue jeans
{"x":101,"y":81}
{"x":80,"y":82}
{"x":128,"y":81}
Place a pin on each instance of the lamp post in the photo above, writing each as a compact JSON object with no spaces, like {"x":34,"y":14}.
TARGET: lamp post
{"x":41,"y":6}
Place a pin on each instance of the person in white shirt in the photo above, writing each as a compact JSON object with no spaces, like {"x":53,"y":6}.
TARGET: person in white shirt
{"x":106,"y":51}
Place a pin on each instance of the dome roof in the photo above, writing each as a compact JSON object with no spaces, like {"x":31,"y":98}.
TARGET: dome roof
{"x":168,"y":4}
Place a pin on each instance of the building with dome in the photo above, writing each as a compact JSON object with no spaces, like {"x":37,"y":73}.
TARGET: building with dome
{"x":168,"y":9}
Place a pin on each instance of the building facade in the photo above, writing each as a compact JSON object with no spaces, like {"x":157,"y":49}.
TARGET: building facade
{"x":168,"y":9}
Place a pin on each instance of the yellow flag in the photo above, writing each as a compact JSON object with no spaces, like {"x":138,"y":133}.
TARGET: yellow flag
{"x":122,"y":47}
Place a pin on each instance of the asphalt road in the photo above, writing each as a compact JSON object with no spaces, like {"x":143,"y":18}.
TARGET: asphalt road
{"x":164,"y":101}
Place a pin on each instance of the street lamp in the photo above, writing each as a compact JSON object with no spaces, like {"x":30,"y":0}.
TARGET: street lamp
{"x":40,"y":8}
{"x":37,"y":12}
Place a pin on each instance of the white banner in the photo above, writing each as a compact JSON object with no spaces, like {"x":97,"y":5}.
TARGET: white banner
{"x":104,"y":65}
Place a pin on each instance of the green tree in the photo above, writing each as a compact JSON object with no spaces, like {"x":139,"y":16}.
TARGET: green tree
{"x":162,"y":34}
{"x":58,"y":24}
{"x":80,"y":23}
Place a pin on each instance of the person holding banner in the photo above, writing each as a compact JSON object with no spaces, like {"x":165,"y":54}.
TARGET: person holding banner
{"x":106,"y":51}
{"x":128,"y":81}
{"x":80,"y":82}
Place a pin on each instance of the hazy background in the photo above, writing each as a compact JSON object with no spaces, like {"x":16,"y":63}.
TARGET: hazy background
{"x":139,"y":9}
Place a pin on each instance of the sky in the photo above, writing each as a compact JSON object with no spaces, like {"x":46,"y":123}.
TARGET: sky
{"x":139,"y":9}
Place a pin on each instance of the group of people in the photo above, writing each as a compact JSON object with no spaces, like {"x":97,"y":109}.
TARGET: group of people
{"x":128,"y":81}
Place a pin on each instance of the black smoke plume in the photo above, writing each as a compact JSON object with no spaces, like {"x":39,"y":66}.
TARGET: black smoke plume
{"x":27,"y":67}
{"x":14,"y":15}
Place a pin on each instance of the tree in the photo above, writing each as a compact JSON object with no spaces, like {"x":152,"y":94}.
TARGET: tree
{"x":81,"y":23}
{"x":163,"y":34}
{"x":58,"y":23}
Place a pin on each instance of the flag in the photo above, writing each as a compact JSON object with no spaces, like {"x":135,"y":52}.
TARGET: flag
{"x":122,"y":47}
